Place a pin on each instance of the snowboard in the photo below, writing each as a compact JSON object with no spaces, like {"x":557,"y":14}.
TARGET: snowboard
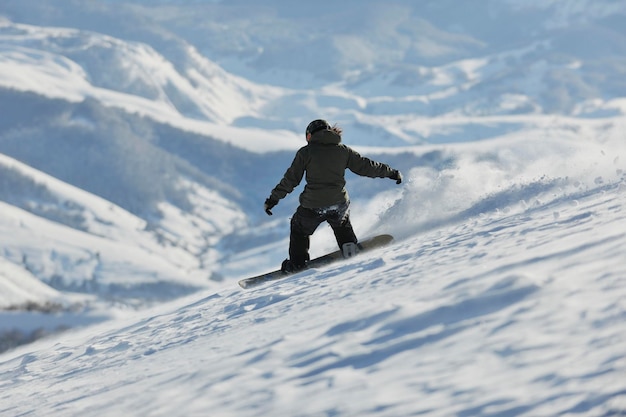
{"x":364,"y":246}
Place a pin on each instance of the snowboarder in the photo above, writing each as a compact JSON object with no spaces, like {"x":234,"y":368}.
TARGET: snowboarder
{"x":324,"y":160}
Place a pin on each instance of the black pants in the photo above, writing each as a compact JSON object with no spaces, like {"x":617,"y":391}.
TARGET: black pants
{"x":305,"y":221}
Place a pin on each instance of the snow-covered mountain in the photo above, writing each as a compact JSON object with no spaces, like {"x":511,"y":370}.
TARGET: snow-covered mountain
{"x":359,"y":62}
{"x":507,"y":305}
{"x":138,"y":140}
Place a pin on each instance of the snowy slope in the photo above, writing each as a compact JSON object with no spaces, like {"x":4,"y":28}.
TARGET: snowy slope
{"x":375,"y":67}
{"x":516,"y":312}
{"x":137,"y":143}
{"x":74,"y":240}
{"x":68,"y":64}
{"x":70,"y":258}
{"x":19,"y":288}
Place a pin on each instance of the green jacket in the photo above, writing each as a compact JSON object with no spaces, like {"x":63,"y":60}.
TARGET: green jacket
{"x":324,"y":160}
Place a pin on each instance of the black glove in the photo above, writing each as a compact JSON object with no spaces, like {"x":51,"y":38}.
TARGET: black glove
{"x":395,"y":175}
{"x":269,"y":205}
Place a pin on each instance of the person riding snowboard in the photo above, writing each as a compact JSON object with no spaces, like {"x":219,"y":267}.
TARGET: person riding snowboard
{"x":324,"y":160}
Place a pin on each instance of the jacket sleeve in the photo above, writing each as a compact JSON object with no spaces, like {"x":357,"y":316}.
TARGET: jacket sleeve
{"x":366,"y":167}
{"x":292,"y":178}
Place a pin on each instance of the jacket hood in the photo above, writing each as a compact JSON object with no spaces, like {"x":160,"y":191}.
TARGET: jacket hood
{"x":325,"y":137}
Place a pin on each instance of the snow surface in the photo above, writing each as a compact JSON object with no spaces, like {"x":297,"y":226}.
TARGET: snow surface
{"x":505,"y":313}
{"x":139,"y":139}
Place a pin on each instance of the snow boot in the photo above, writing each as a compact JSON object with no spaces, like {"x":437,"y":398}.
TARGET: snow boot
{"x":288,"y":267}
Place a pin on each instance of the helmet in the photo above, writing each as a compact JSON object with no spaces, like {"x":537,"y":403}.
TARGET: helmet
{"x":316,"y":125}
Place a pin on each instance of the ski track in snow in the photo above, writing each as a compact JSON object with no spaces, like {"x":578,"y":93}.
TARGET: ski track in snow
{"x":507,"y":315}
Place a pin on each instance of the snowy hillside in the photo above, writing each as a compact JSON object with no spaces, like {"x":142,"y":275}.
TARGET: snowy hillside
{"x":60,"y":244}
{"x":374,"y":66}
{"x":138,"y":140}
{"x":69,"y":64}
{"x":509,"y":305}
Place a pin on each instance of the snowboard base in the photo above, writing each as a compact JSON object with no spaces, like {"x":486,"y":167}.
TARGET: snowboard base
{"x":364,"y":246}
